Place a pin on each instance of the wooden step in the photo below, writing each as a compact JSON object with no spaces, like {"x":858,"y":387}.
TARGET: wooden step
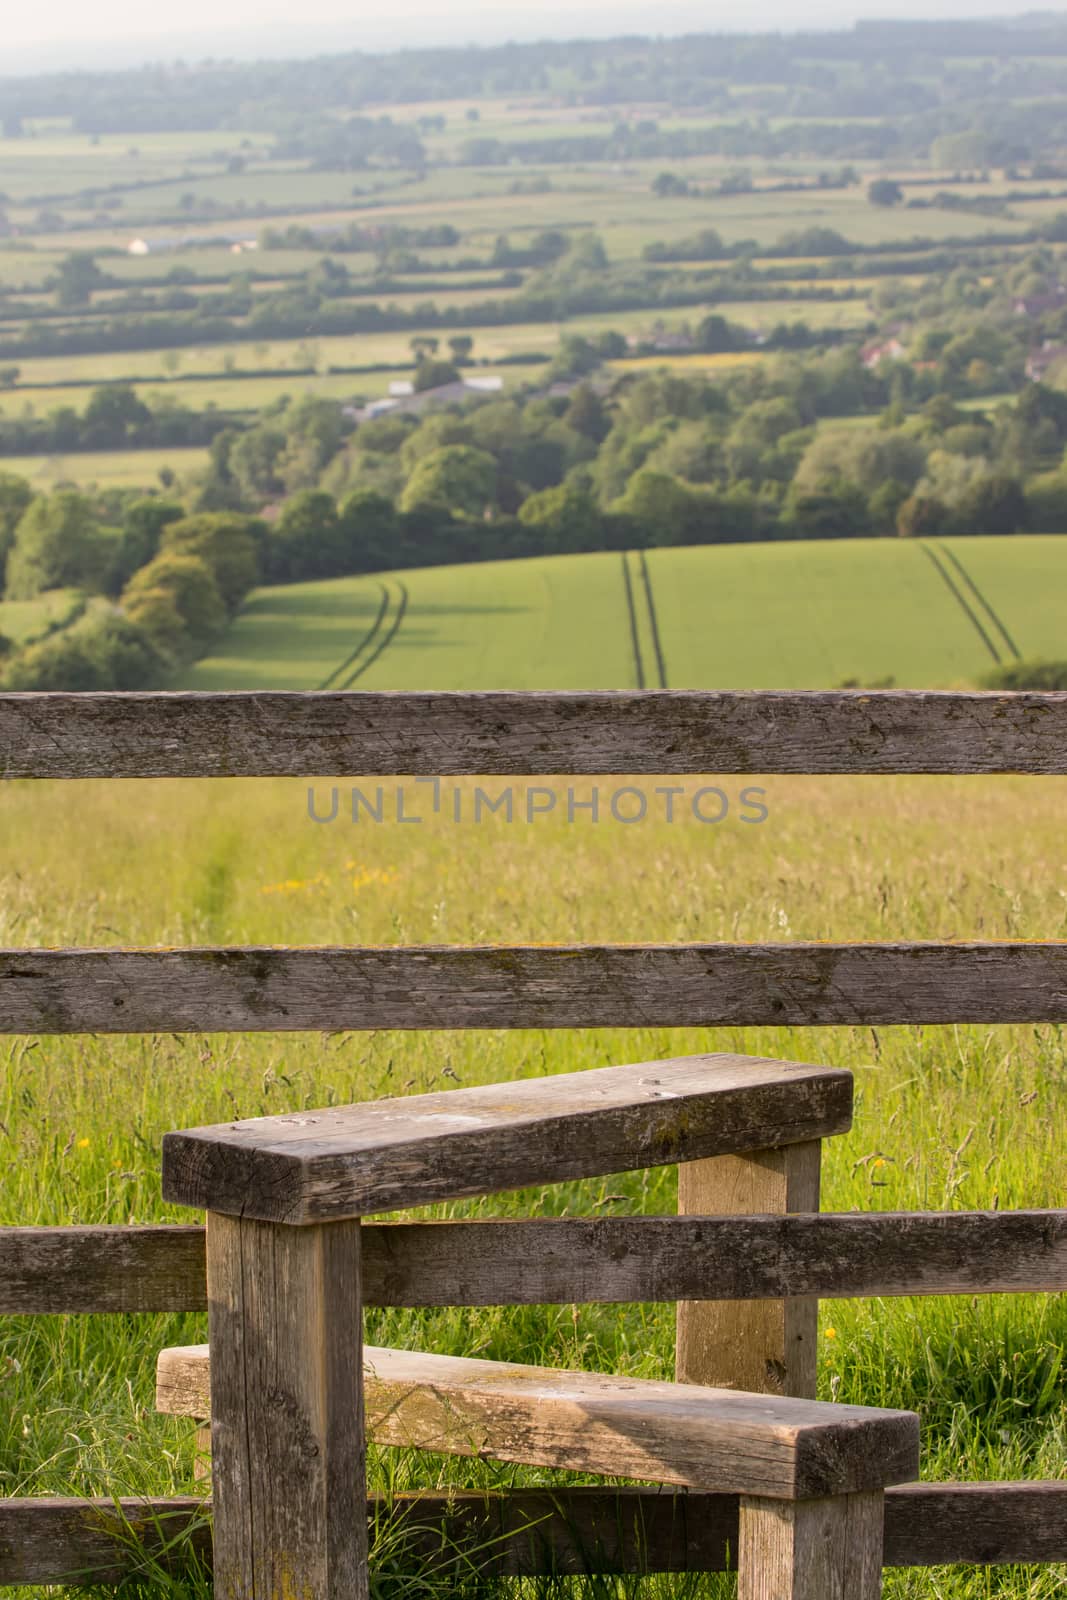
{"x":715,"y":1439}
{"x":321,"y":1166}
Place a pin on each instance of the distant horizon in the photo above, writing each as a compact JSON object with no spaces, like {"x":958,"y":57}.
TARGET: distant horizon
{"x":249,"y":30}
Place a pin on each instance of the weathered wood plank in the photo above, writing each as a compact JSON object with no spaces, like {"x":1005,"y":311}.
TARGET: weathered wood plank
{"x":526,"y":1532}
{"x":590,"y":1422}
{"x":575,"y":1260}
{"x":286,"y":1411}
{"x":105,"y":1541}
{"x":980,"y":1524}
{"x":257,"y":990}
{"x":763,"y":1346}
{"x":529,"y":1531}
{"x":320,"y":735}
{"x":813,"y":1550}
{"x":391,"y":1154}
{"x":623,"y":1260}
{"x":91,"y":1269}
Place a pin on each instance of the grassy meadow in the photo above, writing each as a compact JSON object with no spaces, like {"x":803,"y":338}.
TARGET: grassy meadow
{"x":829,"y":611}
{"x":946,"y":1117}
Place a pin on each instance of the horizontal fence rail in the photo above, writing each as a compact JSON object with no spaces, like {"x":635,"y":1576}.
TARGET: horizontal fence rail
{"x":280,"y":989}
{"x":573,"y":1260}
{"x":676,"y":732}
{"x":529,"y":1531}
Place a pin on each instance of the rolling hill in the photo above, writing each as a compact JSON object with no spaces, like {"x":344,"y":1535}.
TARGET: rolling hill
{"x":924,"y":613}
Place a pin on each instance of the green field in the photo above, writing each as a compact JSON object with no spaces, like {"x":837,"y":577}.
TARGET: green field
{"x":21,"y":620}
{"x":790,"y":616}
{"x":543,"y":624}
{"x":125,"y":469}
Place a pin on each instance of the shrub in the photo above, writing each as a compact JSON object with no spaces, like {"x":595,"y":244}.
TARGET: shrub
{"x":1035,"y":674}
{"x":227,"y":543}
{"x":58,"y":541}
{"x":143,"y":523}
{"x":192,"y":584}
{"x":100,"y":653}
{"x":154,"y":612}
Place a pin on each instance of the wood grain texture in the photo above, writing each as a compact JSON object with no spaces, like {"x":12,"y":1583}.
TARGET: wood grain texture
{"x":265,"y":990}
{"x":286,"y":1411}
{"x":105,"y":1541}
{"x":980,"y":1524}
{"x":672,"y":732}
{"x":89,"y":1269}
{"x":574,"y":1260}
{"x":537,"y":1531}
{"x":763,"y":1346}
{"x":815,"y":1550}
{"x":391,"y":1154}
{"x":589,"y":1422}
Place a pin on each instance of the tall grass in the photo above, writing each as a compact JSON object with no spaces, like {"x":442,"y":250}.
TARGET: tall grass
{"x":946,"y":1117}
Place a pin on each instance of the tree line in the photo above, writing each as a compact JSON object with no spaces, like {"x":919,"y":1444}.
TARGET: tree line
{"x":658,"y":459}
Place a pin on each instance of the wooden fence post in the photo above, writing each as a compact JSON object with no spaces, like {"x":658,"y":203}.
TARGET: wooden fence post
{"x":287,"y":1433}
{"x":760,"y":1346}
{"x":811,"y":1549}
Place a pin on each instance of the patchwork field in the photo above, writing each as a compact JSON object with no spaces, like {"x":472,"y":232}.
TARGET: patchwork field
{"x":790,"y":616}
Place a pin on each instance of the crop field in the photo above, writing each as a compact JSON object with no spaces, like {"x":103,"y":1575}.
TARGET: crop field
{"x":250,"y":394}
{"x":924,"y":614}
{"x":625,"y":220}
{"x":1024,"y":585}
{"x":479,"y":200}
{"x":542,"y":624}
{"x":349,"y":350}
{"x":946,"y":1117}
{"x":104,"y":468}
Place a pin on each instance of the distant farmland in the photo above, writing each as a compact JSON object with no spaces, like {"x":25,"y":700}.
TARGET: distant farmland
{"x":925,"y":614}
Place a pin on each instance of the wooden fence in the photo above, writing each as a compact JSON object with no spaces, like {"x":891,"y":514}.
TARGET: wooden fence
{"x":749,"y":1255}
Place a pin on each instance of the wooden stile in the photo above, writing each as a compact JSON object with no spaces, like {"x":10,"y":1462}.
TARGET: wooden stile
{"x":286,"y":1411}
{"x":813,"y":1550}
{"x":764,"y":1445}
{"x":284,"y":1384}
{"x":763,"y":1346}
{"x":353,"y":1160}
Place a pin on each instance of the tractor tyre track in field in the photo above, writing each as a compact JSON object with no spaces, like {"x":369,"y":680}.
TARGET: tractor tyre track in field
{"x":367,"y":640}
{"x":962,"y":601}
{"x":390,"y":634}
{"x":653,"y":622}
{"x":635,"y":639}
{"x":951,"y":555}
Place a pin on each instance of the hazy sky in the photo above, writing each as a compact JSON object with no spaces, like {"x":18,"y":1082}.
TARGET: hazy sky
{"x":122,"y":30}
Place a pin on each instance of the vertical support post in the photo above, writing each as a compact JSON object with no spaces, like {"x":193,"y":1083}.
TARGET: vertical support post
{"x":811,"y":1549}
{"x":287,"y":1431}
{"x":759,"y":1346}
{"x":202,"y":1458}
